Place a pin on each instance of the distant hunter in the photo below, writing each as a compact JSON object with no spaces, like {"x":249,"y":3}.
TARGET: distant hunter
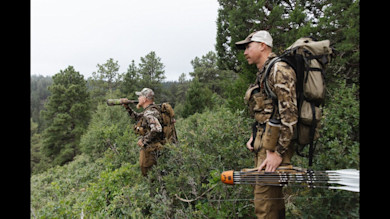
{"x":150,"y":126}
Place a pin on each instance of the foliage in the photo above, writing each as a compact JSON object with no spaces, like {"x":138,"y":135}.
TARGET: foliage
{"x":208,"y":73}
{"x":107,"y":126}
{"x":149,"y":73}
{"x":340,"y":141}
{"x":59,"y":191}
{"x":209,"y":143}
{"x":341,"y":25}
{"x":38,"y":162}
{"x":338,"y":148}
{"x":152,"y":72}
{"x":130,"y":81}
{"x":67,"y":113}
{"x":107,"y":78}
{"x":197,"y":98}
{"x":39,"y":94}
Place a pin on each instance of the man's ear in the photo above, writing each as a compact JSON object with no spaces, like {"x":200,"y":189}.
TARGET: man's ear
{"x":262,"y":46}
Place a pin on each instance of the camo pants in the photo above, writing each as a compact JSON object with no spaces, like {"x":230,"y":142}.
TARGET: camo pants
{"x":148,"y":157}
{"x":269,"y":201}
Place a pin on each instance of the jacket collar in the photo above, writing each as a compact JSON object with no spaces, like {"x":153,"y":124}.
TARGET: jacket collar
{"x":261,"y":71}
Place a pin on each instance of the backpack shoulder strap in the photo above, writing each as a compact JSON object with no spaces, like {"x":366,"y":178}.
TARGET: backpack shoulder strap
{"x":156,"y":106}
{"x":268,"y":90}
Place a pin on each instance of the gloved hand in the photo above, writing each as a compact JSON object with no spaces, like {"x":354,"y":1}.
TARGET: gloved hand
{"x":124,"y":105}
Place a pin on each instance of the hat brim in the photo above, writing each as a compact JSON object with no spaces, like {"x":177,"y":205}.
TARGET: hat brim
{"x":241,"y":44}
{"x":138,"y":93}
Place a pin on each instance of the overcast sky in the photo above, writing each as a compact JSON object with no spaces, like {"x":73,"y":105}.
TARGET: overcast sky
{"x":84,"y":33}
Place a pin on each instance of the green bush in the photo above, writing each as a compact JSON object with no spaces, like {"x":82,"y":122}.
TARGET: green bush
{"x":110,"y":128}
{"x":58,"y":191}
{"x":117,"y":193}
{"x":210,"y":143}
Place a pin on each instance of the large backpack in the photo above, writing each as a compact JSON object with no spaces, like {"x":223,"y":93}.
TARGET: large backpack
{"x":168,"y":125}
{"x":309,"y":59}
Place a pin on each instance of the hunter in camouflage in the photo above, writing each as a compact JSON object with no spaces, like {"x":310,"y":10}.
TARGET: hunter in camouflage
{"x":149,"y":128}
{"x":282,"y":83}
{"x":269,"y":201}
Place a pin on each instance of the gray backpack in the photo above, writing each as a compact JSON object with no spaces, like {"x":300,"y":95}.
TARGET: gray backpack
{"x":309,"y":59}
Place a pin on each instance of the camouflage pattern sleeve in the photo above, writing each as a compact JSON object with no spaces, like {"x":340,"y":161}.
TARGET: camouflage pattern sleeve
{"x":154,"y":125}
{"x":282,"y":81}
{"x":134,"y":115}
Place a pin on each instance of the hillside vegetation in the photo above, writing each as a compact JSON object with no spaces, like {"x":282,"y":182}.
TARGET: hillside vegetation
{"x":186,"y":181}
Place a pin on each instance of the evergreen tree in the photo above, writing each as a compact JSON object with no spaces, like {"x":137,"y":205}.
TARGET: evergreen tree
{"x":208,"y":73}
{"x":151,"y":70}
{"x":106,"y":79}
{"x":340,"y":24}
{"x":131,"y":81}
{"x":39,"y":94}
{"x":67,"y":112}
{"x":205,"y":69}
{"x":198,"y":98}
{"x":182,"y":88}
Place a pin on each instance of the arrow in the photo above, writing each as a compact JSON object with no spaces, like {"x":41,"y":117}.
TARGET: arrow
{"x":344,"y":179}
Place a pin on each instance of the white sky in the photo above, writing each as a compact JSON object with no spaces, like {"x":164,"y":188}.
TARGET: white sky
{"x":84,"y":33}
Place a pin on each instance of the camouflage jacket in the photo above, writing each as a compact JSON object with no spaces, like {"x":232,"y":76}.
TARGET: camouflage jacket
{"x":282,"y":82}
{"x":148,"y":124}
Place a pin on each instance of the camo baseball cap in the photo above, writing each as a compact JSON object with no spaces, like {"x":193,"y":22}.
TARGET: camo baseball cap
{"x":258,"y":36}
{"x":146,"y":92}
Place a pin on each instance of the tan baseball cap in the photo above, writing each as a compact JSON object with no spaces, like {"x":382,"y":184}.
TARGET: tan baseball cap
{"x":147,"y":92}
{"x":258,"y":36}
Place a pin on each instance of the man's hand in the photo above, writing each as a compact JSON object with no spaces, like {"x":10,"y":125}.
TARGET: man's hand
{"x":124,"y":105}
{"x":271,"y":162}
{"x":140,"y":143}
{"x":123,"y":99}
{"x":248,"y":144}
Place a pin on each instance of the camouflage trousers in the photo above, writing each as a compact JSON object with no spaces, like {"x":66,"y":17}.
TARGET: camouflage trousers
{"x":148,"y":157}
{"x":269,"y":201}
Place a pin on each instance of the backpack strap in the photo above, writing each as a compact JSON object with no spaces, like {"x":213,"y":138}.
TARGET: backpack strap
{"x":311,"y":135}
{"x":268,"y":90}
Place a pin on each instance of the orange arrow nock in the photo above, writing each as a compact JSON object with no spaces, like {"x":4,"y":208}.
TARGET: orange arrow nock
{"x":227,"y":177}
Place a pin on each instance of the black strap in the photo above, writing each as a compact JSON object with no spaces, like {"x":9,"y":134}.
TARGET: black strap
{"x":311,"y":153}
{"x":312,"y":133}
{"x":254,"y":130}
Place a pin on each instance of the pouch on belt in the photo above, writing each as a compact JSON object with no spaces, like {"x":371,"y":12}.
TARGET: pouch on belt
{"x":258,"y":135}
{"x":271,"y":134}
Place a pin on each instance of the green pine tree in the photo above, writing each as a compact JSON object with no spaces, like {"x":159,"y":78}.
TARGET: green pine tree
{"x":131,"y":81}
{"x":105,"y":80}
{"x":151,"y":70}
{"x":67,"y":113}
{"x":198,"y":98}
